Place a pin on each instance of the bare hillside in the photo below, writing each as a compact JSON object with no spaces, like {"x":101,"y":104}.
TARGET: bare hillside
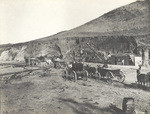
{"x":130,"y":21}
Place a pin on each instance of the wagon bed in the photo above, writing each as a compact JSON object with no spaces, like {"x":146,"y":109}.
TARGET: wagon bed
{"x":111,"y":74}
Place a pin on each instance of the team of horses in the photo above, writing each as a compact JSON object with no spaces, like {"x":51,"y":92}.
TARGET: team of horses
{"x":143,"y":79}
{"x":91,"y":70}
{"x":94,"y":72}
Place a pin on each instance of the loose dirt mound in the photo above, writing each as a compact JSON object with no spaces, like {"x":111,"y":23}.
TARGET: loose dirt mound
{"x":20,"y":55}
{"x":6,"y":56}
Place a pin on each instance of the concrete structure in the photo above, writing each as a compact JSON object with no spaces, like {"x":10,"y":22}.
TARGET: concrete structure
{"x":146,"y":58}
{"x":144,"y":52}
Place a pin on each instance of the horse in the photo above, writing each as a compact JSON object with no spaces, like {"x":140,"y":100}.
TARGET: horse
{"x":91,"y":70}
{"x":143,"y":79}
{"x":100,"y":70}
{"x":148,"y":78}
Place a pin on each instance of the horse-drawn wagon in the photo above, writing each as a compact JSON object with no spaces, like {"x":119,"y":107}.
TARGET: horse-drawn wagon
{"x":75,"y":72}
{"x":111,"y":74}
{"x":108,"y":73}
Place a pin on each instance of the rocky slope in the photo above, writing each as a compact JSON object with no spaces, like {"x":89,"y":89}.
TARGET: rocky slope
{"x":130,"y":21}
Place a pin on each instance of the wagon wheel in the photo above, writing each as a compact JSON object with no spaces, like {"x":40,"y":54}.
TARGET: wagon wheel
{"x":74,"y":74}
{"x":89,"y":75}
{"x":109,"y":76}
{"x":85,"y":75}
{"x":98,"y":75}
{"x":121,"y":77}
{"x":65,"y":75}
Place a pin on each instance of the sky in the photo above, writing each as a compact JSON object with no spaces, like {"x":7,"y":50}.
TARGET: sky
{"x":25,"y":20}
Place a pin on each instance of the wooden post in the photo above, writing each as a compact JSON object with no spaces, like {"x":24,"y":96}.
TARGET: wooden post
{"x":146,"y":58}
{"x":128,"y":105}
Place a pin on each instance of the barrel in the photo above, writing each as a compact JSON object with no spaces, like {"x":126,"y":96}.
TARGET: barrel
{"x":128,"y":105}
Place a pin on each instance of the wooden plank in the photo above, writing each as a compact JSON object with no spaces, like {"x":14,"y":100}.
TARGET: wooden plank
{"x":18,"y":72}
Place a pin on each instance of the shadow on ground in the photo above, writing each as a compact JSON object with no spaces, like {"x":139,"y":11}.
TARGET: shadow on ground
{"x":88,"y":108}
{"x":124,"y":85}
{"x":136,"y":86}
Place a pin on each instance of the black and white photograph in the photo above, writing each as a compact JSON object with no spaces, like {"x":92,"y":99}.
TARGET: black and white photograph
{"x":74,"y":57}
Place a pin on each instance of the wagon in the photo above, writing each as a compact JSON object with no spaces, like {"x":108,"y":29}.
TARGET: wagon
{"x":30,"y":61}
{"x":59,"y":64}
{"x":111,"y":74}
{"x":76,"y":72}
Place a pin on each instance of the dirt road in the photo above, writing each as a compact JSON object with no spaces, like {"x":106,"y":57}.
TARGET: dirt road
{"x":51,"y":94}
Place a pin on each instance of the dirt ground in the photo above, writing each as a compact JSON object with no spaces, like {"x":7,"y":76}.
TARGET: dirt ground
{"x":37,"y":93}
